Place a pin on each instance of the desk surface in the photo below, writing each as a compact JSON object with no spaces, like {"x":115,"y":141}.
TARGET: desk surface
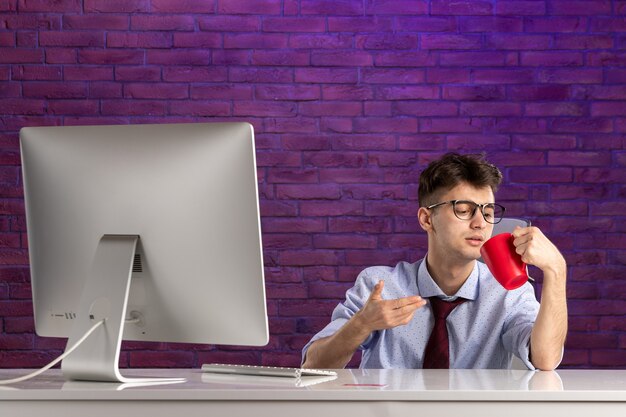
{"x":355,"y":384}
{"x":375,"y":393}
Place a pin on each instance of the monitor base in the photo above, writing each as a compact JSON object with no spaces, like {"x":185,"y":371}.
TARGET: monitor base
{"x":104,"y":297}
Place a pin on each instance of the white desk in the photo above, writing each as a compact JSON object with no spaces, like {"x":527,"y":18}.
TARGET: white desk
{"x":355,"y":392}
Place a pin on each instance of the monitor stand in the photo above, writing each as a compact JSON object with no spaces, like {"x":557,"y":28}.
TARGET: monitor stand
{"x":104,"y":296}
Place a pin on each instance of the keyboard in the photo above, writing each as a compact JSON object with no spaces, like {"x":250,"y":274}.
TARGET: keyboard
{"x":220,"y":368}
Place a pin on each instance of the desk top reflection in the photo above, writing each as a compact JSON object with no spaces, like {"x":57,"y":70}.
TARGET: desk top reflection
{"x":350,"y":384}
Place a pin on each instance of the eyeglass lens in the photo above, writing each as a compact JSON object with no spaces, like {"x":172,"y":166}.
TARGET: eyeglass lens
{"x":465,"y":210}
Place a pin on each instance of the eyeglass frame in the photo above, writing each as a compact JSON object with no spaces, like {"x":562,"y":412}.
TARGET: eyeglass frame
{"x":476,"y":206}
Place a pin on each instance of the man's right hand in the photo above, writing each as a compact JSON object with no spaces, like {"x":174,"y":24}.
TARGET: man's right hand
{"x":379,"y":314}
{"x":336,"y":351}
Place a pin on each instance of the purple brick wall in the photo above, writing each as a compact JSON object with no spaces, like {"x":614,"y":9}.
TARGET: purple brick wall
{"x":350,"y":99}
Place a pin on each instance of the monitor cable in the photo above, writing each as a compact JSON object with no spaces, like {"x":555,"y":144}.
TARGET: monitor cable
{"x":57,"y":360}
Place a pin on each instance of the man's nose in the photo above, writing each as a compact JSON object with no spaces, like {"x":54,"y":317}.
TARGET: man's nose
{"x":478,"y":220}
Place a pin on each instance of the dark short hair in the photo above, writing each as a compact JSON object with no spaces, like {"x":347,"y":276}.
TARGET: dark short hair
{"x":451,"y":169}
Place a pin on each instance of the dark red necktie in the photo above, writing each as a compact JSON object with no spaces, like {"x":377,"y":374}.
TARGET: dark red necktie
{"x":437,"y":353}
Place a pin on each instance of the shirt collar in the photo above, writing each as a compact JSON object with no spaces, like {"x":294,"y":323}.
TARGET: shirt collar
{"x":428,"y":287}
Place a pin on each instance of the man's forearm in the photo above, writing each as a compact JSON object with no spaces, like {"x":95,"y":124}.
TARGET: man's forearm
{"x":336,"y":351}
{"x":550,"y":329}
{"x":377,"y":314}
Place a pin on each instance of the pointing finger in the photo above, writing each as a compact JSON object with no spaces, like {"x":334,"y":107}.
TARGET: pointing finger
{"x":407,"y":301}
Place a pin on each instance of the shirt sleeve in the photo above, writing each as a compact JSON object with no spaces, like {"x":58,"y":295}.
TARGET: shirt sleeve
{"x":356,"y":297}
{"x":523,"y":309}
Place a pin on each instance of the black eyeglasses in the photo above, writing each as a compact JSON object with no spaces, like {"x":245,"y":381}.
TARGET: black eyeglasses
{"x":465,"y":210}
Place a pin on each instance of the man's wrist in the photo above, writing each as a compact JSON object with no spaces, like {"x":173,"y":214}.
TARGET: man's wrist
{"x":359,"y":327}
{"x":558,"y":270}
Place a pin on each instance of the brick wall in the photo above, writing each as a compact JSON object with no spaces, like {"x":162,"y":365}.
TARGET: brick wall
{"x":350,"y":99}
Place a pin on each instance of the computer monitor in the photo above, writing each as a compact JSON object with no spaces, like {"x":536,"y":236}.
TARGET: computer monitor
{"x":156,"y":224}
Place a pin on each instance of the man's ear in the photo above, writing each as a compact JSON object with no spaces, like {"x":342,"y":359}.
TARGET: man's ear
{"x":424,"y":216}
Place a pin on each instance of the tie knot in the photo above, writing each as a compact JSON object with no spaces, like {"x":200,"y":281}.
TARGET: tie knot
{"x":442,"y":308}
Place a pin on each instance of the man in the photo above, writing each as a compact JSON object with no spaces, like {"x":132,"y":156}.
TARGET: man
{"x":388,"y":314}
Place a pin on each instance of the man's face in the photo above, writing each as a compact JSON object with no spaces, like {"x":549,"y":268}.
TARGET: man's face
{"x":453,"y":238}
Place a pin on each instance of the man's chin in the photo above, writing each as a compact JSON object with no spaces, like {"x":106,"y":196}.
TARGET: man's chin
{"x":473,"y":255}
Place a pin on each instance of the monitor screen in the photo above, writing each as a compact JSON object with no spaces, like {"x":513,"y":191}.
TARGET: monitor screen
{"x":165,"y":217}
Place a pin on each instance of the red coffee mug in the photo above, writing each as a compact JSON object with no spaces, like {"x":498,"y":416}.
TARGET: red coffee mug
{"x":504,"y":263}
